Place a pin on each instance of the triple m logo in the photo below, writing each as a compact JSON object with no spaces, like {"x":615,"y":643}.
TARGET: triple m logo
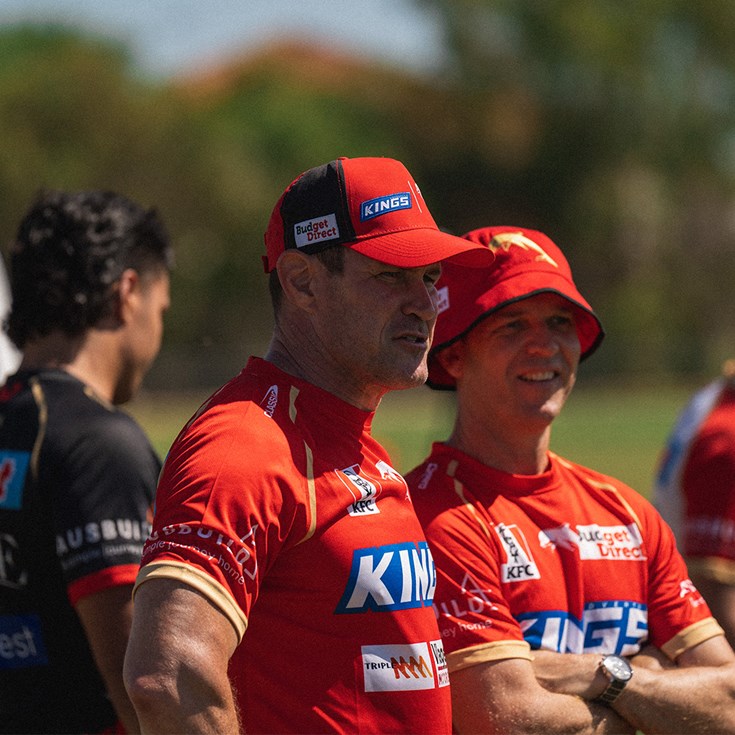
{"x":404,"y":666}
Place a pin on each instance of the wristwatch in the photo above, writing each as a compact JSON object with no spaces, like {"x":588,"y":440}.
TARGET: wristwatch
{"x":618,"y":672}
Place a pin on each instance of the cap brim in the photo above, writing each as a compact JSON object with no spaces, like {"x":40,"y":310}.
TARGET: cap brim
{"x":422,"y":246}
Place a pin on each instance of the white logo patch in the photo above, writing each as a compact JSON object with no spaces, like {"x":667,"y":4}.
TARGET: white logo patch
{"x":364,"y":492}
{"x":270,"y":401}
{"x":519,"y":565}
{"x":411,"y":666}
{"x":315,"y":230}
{"x":619,"y":543}
{"x":442,"y":299}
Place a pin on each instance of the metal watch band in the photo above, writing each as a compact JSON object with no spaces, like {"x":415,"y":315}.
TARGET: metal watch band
{"x":612,"y":692}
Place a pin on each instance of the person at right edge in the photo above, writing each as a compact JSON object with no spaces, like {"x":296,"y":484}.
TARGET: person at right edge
{"x":562,"y":601}
{"x":695,"y":492}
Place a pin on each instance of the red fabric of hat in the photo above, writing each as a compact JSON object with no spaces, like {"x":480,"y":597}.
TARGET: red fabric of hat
{"x":526,"y":263}
{"x":372,"y":205}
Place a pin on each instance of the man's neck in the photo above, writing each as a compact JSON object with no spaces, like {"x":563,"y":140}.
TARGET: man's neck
{"x":83,"y":357}
{"x":303,"y":363}
{"x":518,"y":455}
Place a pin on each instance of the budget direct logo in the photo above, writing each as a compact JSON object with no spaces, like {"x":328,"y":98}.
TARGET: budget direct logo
{"x":411,"y":666}
{"x":615,"y":543}
{"x":315,"y":230}
{"x":382,"y":205}
{"x":391,"y":577}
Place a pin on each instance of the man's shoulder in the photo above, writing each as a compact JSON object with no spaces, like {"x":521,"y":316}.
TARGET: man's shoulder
{"x":432,"y":487}
{"x":66,"y":412}
{"x":568,"y":467}
{"x":601,"y":482}
{"x":432,"y":472}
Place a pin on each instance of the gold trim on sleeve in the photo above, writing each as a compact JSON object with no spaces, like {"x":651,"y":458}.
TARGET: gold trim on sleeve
{"x":199,"y":580}
{"x":496,"y":651}
{"x":691,"y":636}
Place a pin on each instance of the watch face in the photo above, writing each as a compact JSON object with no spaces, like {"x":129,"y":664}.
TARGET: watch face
{"x":618,"y":667}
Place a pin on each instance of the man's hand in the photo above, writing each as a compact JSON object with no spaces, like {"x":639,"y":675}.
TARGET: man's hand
{"x":576,"y":675}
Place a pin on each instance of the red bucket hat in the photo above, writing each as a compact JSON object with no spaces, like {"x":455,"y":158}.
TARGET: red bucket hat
{"x":526,"y":263}
{"x":372,"y":205}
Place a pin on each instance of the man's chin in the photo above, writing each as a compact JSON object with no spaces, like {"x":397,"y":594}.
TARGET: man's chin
{"x":415,"y":380}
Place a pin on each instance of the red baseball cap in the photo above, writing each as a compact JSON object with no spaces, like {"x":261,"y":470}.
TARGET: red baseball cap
{"x":526,"y":263}
{"x":372,"y":205}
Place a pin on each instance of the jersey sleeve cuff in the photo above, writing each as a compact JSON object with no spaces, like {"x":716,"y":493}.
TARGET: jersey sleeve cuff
{"x":202,"y":583}
{"x":496,"y":651}
{"x":691,"y":636}
{"x":101,"y":580}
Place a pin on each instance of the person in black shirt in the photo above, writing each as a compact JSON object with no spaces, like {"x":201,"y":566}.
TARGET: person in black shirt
{"x":89,"y":277}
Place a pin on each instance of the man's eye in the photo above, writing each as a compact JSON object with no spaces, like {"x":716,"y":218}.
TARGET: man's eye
{"x":563,"y":321}
{"x":511,"y":326}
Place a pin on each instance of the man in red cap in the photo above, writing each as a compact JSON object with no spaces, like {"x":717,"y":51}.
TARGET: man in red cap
{"x":551,"y":577}
{"x":287,"y":583}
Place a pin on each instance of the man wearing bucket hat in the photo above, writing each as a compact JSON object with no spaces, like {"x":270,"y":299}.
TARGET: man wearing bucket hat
{"x":285,"y":549}
{"x":550,"y":576}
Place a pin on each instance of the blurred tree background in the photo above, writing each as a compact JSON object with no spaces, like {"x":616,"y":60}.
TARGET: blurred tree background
{"x":609,"y":125}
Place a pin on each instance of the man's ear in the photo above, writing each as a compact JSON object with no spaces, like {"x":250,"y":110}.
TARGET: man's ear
{"x":297,"y":271}
{"x":452,"y":358}
{"x":127,"y":289}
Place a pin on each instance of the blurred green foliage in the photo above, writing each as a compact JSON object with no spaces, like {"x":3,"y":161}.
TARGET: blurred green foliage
{"x":615,"y":429}
{"x":608,"y":125}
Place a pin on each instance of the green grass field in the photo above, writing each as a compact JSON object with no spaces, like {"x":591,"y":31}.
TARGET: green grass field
{"x":616,"y":430}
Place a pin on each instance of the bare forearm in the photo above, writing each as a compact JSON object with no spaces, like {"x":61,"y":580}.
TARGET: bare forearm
{"x":658,"y":699}
{"x":122,"y":704}
{"x":176,"y":663}
{"x":692,"y":700}
{"x":183,"y":698}
{"x":573,"y":674}
{"x":163,"y":711}
{"x":504,"y":698}
{"x":106,"y":617}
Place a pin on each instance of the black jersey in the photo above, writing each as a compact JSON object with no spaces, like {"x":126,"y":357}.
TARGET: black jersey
{"x":77,"y":479}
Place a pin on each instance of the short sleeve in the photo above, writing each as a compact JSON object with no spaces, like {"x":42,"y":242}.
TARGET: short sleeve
{"x":100,"y":490}
{"x":474,"y":619}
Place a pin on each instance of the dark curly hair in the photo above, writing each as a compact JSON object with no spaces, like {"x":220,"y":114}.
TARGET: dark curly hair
{"x":69,"y":253}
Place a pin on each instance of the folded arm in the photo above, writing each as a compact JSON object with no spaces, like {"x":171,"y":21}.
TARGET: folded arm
{"x":695,"y":696}
{"x":698,"y":696}
{"x":504,"y":697}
